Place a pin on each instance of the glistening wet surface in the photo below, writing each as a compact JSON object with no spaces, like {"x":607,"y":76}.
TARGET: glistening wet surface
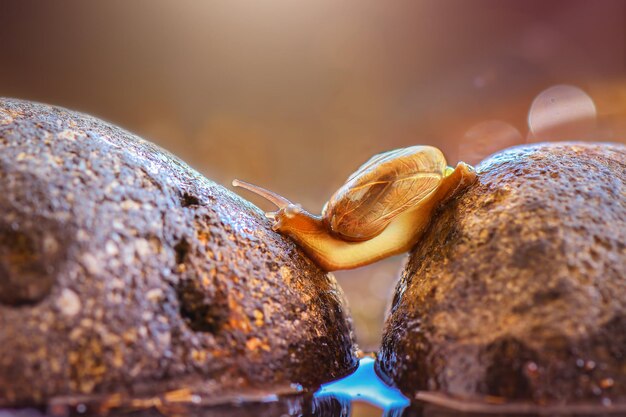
{"x":361,"y":394}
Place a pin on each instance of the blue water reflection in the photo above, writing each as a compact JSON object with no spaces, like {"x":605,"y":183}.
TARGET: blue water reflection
{"x":365,"y":385}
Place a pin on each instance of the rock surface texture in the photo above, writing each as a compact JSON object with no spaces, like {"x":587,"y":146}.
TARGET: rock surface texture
{"x":122,"y":269}
{"x":518,"y":289}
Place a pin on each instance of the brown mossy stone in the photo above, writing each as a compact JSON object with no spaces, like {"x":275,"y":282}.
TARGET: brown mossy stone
{"x":124,"y":270}
{"x":518,"y":289}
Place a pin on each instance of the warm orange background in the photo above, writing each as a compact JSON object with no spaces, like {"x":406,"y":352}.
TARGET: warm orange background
{"x":294,"y":95}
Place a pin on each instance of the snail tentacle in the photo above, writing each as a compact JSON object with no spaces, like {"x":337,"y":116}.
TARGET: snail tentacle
{"x":276,"y":199}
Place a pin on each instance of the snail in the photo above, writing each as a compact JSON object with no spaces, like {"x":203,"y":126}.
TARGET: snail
{"x":381,"y":210}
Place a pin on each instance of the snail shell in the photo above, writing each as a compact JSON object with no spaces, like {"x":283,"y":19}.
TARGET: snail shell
{"x":383,"y":188}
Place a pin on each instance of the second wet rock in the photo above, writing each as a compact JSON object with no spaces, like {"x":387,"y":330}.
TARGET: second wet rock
{"x":518,"y":290}
{"x":124,"y":270}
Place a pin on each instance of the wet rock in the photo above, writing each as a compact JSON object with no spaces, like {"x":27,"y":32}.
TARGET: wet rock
{"x":518,"y":289}
{"x":122,"y":269}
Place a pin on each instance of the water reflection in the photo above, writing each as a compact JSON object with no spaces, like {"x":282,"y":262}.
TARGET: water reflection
{"x":273,"y":406}
{"x":364,"y":385}
{"x":361,"y":394}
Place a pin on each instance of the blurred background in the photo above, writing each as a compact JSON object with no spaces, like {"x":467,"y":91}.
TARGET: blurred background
{"x":295,"y":95}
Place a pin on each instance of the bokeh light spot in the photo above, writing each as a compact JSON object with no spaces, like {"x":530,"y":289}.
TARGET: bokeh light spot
{"x":485,"y":138}
{"x":561,"y":112}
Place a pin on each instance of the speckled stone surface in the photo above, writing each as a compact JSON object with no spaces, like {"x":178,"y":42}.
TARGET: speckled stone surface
{"x":122,"y":269}
{"x":518,"y":289}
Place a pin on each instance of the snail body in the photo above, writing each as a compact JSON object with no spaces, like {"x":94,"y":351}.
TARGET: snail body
{"x":381,"y":210}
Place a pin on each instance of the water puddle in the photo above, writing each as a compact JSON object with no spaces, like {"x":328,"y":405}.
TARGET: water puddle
{"x":364,"y":385}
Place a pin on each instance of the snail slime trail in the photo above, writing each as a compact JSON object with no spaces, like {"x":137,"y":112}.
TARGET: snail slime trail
{"x":381,"y":210}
